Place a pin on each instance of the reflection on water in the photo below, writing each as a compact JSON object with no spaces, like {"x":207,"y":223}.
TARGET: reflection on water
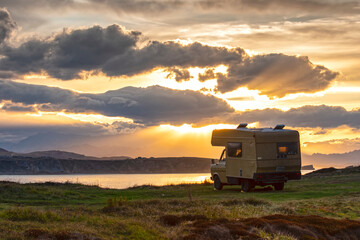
{"x":118,"y":181}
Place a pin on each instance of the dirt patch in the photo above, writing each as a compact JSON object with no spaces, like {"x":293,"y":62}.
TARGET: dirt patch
{"x":302,"y":227}
{"x":308,"y":227}
{"x":41,"y":234}
{"x":246,"y":201}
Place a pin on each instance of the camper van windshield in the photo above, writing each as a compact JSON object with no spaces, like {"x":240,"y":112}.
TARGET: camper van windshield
{"x":234,"y":149}
{"x":289,"y":148}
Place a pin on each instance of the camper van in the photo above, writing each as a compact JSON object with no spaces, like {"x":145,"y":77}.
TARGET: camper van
{"x":256,"y":156}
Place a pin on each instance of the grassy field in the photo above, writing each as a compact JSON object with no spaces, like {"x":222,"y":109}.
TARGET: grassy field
{"x":314,"y":208}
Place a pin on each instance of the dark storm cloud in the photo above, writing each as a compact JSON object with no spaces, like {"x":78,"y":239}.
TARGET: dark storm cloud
{"x":114,"y":52}
{"x":28,"y":57}
{"x":179,"y":74}
{"x":149,"y":106}
{"x":69,"y":53}
{"x":88,"y":49}
{"x":7,"y":25}
{"x":156,"y":105}
{"x":170,"y":54}
{"x":33,"y":94}
{"x":276,"y":75}
{"x":307,"y":116}
{"x":207,"y":75}
{"x":10,"y":107}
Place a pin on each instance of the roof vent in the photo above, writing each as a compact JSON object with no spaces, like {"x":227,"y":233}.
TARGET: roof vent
{"x":242,"y":125}
{"x":279,"y":126}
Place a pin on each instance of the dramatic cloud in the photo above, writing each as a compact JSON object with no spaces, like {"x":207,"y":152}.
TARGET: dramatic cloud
{"x":7,"y":25}
{"x":10,"y":107}
{"x":156,"y":105}
{"x":179,"y":74}
{"x":114,"y":51}
{"x":149,"y":106}
{"x":307,"y":116}
{"x":277,"y":75}
{"x":68,"y":54}
{"x":171,"y":54}
{"x":207,"y":75}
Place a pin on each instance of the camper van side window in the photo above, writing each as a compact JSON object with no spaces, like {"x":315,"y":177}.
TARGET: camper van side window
{"x":234,"y":149}
{"x":288,"y":148}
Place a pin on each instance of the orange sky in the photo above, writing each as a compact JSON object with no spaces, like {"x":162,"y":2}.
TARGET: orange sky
{"x":295,"y":62}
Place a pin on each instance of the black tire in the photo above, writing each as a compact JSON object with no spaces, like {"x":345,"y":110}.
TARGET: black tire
{"x":247,"y":185}
{"x":279,"y":186}
{"x":217,"y":183}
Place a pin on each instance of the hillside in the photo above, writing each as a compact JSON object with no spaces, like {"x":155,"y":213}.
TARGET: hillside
{"x":57,"y":154}
{"x":318,"y":207}
{"x":47,"y":165}
{"x":338,"y":160}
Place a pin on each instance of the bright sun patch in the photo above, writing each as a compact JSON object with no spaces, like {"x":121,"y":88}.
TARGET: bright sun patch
{"x":94,"y":118}
{"x":188,"y":128}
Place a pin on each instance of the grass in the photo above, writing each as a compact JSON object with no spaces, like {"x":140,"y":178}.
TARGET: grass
{"x":75,"y":211}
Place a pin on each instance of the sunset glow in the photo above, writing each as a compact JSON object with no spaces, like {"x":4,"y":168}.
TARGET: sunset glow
{"x":168,"y":78}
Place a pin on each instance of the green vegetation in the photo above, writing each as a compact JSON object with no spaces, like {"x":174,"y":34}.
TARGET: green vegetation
{"x":74,"y":211}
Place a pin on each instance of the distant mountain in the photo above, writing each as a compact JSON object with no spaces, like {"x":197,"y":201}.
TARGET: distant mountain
{"x":44,"y":141}
{"x":115,"y":158}
{"x":57,"y":154}
{"x":338,"y":160}
{"x":334,"y":171}
{"x":4,"y":152}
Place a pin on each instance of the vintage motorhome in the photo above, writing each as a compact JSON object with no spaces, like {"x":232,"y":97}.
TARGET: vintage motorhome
{"x":256,"y":156}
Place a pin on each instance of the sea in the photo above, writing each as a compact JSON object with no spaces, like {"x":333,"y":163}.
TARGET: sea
{"x":115,"y":181}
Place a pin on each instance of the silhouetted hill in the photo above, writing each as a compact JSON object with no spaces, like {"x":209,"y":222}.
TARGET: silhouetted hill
{"x":4,"y":152}
{"x":57,"y":154}
{"x":338,"y":160}
{"x":334,"y":171}
{"x":46,"y":165}
{"x":60,"y":162}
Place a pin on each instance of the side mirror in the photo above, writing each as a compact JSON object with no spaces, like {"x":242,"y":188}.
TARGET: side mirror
{"x":212,"y":161}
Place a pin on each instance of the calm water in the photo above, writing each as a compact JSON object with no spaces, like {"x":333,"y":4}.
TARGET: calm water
{"x":118,"y":181}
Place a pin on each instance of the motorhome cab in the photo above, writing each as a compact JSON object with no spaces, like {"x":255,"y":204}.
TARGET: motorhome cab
{"x":256,"y":156}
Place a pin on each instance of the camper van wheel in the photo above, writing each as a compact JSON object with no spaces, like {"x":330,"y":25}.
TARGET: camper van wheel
{"x":279,"y":186}
{"x":217,"y":184}
{"x":247,"y":185}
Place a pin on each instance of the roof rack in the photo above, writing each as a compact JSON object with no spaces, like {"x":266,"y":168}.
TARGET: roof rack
{"x":279,"y":126}
{"x":242,"y":125}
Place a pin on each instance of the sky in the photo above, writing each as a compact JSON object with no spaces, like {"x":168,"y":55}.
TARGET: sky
{"x":155,"y":77}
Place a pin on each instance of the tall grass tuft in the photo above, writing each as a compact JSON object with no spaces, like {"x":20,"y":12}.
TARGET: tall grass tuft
{"x":112,"y":204}
{"x":30,"y":214}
